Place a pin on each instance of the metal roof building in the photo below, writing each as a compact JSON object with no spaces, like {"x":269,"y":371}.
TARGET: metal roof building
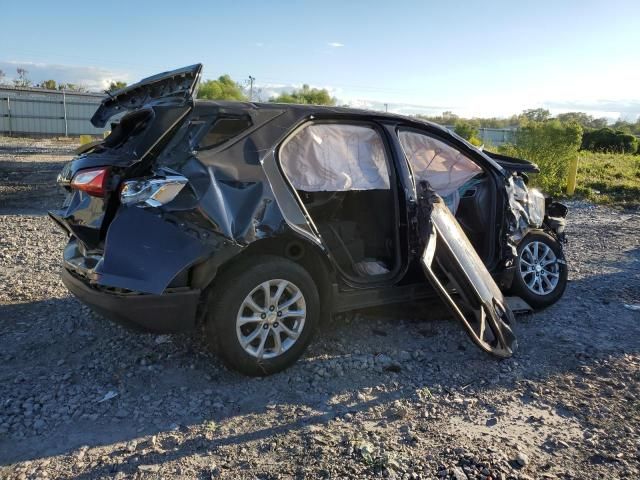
{"x":41,"y":112}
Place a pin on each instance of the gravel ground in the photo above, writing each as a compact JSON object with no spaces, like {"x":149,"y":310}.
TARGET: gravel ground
{"x":380,"y":394}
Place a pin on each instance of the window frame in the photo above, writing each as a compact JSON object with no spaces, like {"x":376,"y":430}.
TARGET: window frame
{"x":394,"y":189}
{"x":419,"y":131}
{"x":388,"y":151}
{"x":210,"y":125}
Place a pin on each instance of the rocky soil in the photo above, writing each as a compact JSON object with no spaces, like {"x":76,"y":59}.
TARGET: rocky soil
{"x":388,"y":393}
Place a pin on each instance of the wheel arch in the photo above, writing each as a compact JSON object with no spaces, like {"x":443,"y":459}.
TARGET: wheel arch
{"x":291,"y":247}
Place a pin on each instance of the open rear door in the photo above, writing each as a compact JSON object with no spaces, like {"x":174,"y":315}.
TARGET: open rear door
{"x":458,"y":274}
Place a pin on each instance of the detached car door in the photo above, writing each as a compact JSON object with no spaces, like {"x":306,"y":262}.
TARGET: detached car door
{"x":459,"y":276}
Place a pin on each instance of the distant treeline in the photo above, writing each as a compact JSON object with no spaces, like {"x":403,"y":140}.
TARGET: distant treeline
{"x":596,"y":135}
{"x":22,"y":80}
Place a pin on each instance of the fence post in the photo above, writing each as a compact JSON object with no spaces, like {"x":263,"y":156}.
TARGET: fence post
{"x":9,"y":116}
{"x":573,"y":172}
{"x":64,"y":106}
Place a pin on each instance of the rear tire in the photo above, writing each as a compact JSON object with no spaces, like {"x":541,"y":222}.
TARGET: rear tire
{"x":541,"y":273}
{"x":260,"y":333}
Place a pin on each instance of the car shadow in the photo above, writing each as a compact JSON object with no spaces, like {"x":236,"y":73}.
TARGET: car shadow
{"x":153,"y":372}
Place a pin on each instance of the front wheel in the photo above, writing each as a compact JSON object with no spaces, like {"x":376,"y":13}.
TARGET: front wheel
{"x":541,"y":271}
{"x":262,"y":314}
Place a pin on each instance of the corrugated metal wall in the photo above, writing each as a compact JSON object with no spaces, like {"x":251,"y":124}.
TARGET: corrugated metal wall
{"x":492,"y":136}
{"x":34,"y":111}
{"x":39,"y":112}
{"x":497,"y":136}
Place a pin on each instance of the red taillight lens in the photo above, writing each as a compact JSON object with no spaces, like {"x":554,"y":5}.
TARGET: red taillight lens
{"x":93,"y":181}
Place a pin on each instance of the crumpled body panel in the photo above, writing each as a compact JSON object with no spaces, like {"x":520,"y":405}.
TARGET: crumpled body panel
{"x":144,"y":252}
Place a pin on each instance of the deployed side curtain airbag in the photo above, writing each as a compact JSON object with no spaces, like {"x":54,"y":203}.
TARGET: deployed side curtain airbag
{"x":335,"y":158}
{"x":442,"y":166}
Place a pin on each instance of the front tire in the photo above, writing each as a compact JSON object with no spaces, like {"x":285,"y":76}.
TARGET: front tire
{"x":263,"y":313}
{"x":541,"y":273}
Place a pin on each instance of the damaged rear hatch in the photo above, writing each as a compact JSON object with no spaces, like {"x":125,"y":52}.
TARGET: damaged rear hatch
{"x":149,"y":113}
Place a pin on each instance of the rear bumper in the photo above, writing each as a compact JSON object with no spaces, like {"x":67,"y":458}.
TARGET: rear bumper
{"x":165,"y":313}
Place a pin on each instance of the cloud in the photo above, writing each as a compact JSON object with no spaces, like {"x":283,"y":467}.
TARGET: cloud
{"x":335,"y":44}
{"x":612,"y":107}
{"x":397,"y":107}
{"x":621,"y":108}
{"x":93,"y":78}
{"x":265,"y":91}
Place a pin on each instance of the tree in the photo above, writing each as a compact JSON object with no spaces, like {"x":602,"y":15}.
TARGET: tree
{"x":307,"y":96}
{"x":468,"y":129}
{"x":578,"y":117}
{"x":583,"y":119}
{"x":72,"y":87}
{"x":117,"y":85}
{"x":2,"y":77}
{"x":449,"y":118}
{"x":48,"y":84}
{"x":535,"y":115}
{"x":465,"y":129}
{"x":224,"y":88}
{"x":446,"y":118}
{"x":599,"y":122}
{"x":23,"y":79}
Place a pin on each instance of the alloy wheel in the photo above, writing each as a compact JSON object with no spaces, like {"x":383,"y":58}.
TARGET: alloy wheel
{"x":539,"y":268}
{"x":271,"y":318}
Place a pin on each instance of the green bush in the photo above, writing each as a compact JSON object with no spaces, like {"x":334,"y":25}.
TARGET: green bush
{"x":466,"y":130}
{"x":629,"y":143}
{"x":224,"y":88}
{"x":551,"y":145}
{"x":609,"y":140}
{"x":476,"y":141}
{"x":307,"y":96}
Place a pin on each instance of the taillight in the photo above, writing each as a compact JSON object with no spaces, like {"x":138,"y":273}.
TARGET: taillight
{"x":93,"y":181}
{"x":152,"y":192}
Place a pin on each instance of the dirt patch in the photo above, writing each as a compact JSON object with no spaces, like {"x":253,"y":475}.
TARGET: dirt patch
{"x":83,"y":398}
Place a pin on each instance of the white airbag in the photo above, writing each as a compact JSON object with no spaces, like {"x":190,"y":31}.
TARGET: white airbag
{"x":335,"y":158}
{"x":444,"y":167}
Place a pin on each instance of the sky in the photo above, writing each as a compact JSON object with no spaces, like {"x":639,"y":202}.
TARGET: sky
{"x":475,"y":58}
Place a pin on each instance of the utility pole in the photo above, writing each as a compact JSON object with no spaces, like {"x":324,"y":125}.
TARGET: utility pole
{"x":251,"y":80}
{"x":386,"y":107}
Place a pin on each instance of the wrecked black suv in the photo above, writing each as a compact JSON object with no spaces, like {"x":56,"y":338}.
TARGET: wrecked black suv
{"x":260,"y":219}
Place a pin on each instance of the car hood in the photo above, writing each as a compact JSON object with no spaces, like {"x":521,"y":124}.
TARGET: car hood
{"x":175,"y":85}
{"x":513,"y":164}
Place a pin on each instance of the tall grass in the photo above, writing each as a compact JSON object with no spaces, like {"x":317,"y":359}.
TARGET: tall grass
{"x":610,"y":178}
